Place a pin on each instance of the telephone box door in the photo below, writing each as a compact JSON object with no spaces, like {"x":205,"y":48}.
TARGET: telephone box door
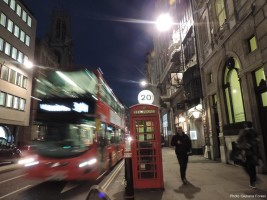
{"x":146,"y":146}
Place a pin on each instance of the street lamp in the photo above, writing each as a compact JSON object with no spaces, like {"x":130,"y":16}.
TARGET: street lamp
{"x":164,"y":22}
{"x":28,"y":64}
{"x":143,"y":83}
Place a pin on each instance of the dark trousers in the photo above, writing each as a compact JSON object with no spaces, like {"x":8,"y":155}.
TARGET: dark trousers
{"x":183,"y":160}
{"x":251,"y":171}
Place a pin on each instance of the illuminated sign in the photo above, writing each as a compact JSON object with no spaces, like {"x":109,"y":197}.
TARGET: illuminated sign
{"x":80,"y":107}
{"x":193,"y":135}
{"x":144,"y":112}
{"x":77,"y":107}
{"x":145,"y":97}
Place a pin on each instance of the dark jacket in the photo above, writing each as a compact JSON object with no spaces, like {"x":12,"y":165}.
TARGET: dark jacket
{"x":248,"y":142}
{"x":183,"y":148}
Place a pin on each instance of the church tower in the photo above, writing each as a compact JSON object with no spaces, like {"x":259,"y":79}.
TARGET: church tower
{"x":59,"y":37}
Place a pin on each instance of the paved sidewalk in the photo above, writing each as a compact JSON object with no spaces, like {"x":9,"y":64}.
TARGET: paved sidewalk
{"x":206,"y":180}
{"x":9,"y":167}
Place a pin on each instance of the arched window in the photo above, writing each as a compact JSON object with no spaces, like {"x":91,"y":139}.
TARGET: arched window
{"x":233,"y":92}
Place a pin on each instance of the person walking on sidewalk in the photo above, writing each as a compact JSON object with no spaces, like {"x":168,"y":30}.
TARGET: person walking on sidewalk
{"x":248,"y":143}
{"x":182,"y":144}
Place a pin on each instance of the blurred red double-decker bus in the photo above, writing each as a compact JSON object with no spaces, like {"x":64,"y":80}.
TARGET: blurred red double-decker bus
{"x":78,"y":127}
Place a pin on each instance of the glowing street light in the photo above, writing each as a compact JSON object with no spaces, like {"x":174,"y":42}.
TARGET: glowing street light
{"x":164,"y":22}
{"x":28,"y":64}
{"x":143,"y":83}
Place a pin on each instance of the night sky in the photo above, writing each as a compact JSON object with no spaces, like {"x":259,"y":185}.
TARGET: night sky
{"x":106,"y":34}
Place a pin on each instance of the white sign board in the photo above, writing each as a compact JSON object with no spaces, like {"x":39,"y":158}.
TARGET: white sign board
{"x":145,"y":97}
{"x":193,"y":135}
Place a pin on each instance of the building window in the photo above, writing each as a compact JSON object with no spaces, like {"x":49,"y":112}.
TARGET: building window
{"x":24,"y":82}
{"x":12,"y":4}
{"x":252,"y":43}
{"x":63,"y":31}
{"x":3,"y":19}
{"x":2,"y":99}
{"x":14,"y":53}
{"x":7,"y":48}
{"x":10,"y":25}
{"x":22,"y":36}
{"x":18,"y":10}
{"x":16,"y":31}
{"x":12,"y":76}
{"x":20,"y":57}
{"x":18,"y":79}
{"x":9,"y":100}
{"x":220,"y":12}
{"x":58,"y":28}
{"x":261,"y":83}
{"x":27,"y":40}
{"x":233,"y":92}
{"x":22,"y":104}
{"x":1,"y":44}
{"x":16,"y":103}
{"x":29,"y":21}
{"x":4,"y":72}
{"x":24,"y":16}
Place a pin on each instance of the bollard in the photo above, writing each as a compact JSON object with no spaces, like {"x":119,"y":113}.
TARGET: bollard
{"x":129,"y":190}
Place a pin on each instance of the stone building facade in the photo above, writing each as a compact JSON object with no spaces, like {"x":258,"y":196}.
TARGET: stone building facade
{"x":232,"y":48}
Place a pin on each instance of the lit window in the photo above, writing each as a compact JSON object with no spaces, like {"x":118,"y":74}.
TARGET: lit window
{"x":9,"y":100}
{"x":10,"y":25}
{"x":14,"y":53}
{"x":16,"y":103}
{"x":12,"y":76}
{"x":7,"y":48}
{"x":18,"y":10}
{"x":22,"y":36}
{"x":24,"y":82}
{"x":22,"y":104}
{"x":24,"y":16}
{"x":4,"y":72}
{"x":26,"y":59}
{"x":233,"y":92}
{"x":3,"y":19}
{"x":220,"y":11}
{"x":12,"y":4}
{"x":252,"y":44}
{"x":29,"y":21}
{"x":27,"y":40}
{"x":1,"y":44}
{"x":16,"y":31}
{"x":2,"y":99}
{"x":261,"y":83}
{"x":18,"y":79}
{"x":20,"y":57}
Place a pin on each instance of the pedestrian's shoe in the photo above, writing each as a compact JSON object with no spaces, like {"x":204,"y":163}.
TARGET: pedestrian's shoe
{"x":252,"y":185}
{"x":184,"y":181}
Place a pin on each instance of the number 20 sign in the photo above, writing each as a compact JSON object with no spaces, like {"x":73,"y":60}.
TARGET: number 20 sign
{"x":145,"y":97}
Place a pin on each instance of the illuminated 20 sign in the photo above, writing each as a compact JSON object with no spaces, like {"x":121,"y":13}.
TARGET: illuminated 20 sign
{"x":145,"y":97}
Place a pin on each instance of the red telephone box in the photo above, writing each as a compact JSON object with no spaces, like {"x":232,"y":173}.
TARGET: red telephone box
{"x":146,"y":146}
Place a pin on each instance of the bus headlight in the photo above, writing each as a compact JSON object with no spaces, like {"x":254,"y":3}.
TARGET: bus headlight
{"x":28,"y":162}
{"x":89,"y":162}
